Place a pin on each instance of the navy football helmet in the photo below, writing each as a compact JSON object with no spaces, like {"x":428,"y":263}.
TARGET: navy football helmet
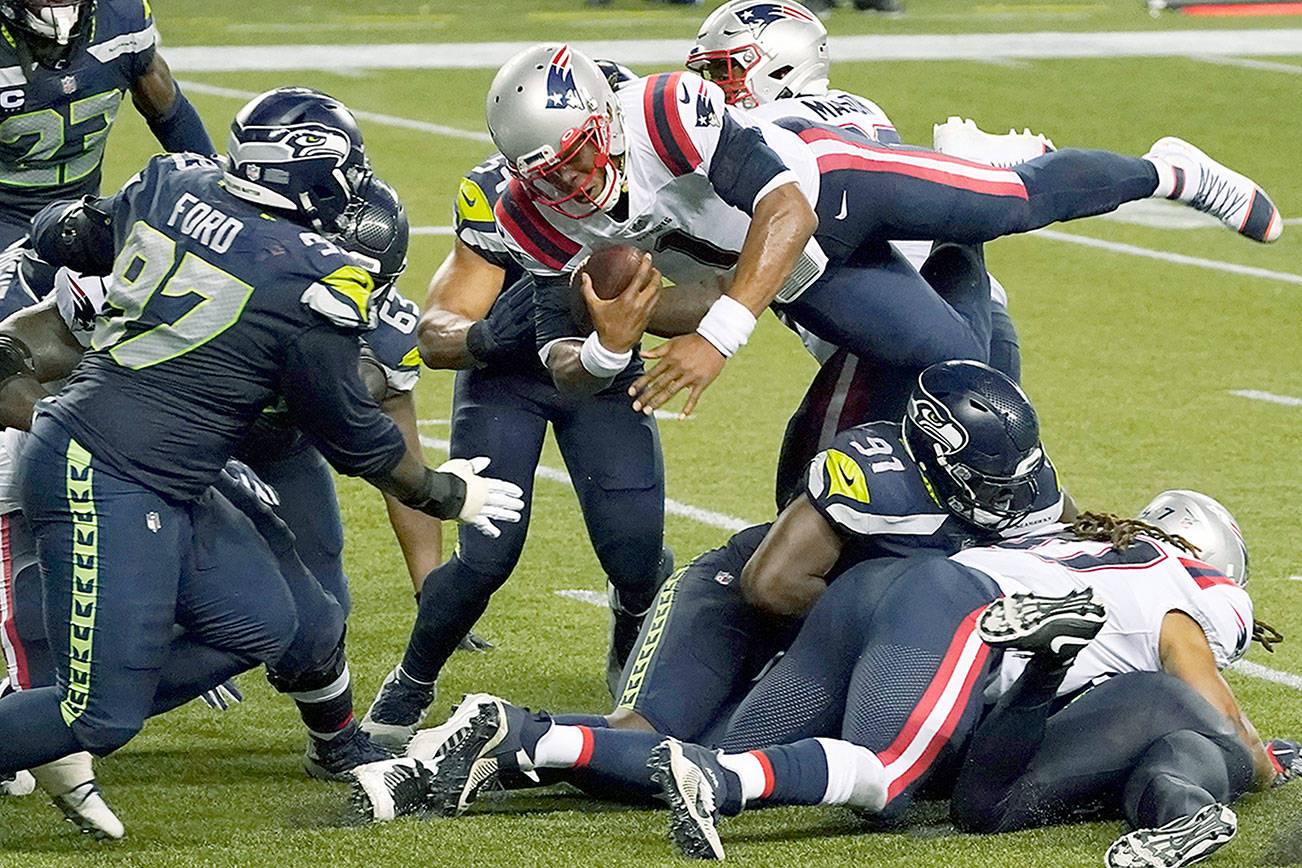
{"x":56,"y":21}
{"x":975,"y":436}
{"x":299,"y":150}
{"x":375,"y":231}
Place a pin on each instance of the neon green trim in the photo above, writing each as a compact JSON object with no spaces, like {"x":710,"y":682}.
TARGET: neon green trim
{"x":85,"y":580}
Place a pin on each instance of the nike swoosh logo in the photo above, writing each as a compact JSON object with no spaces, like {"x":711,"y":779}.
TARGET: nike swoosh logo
{"x":845,"y":477}
{"x":469,"y":202}
{"x":841,"y":214}
{"x":734,"y":32}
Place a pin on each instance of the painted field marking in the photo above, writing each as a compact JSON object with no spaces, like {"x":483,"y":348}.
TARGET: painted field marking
{"x":1248,"y":63}
{"x":1257,"y":395}
{"x":1164,"y":256}
{"x":669,"y":53}
{"x":727,"y":522}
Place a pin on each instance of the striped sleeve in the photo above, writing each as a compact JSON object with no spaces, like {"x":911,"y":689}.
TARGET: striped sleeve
{"x":1221,"y":608}
{"x":665,"y":100}
{"x":545,"y":248}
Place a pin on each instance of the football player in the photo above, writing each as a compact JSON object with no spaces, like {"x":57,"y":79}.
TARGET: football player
{"x":166,"y":393}
{"x":479,"y":321}
{"x":796,"y":217}
{"x":1126,"y":597}
{"x":967,"y":465}
{"x":772,"y":59}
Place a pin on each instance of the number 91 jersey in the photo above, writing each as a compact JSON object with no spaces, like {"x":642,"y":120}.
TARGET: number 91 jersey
{"x":53,"y":122}
{"x":873,"y":495}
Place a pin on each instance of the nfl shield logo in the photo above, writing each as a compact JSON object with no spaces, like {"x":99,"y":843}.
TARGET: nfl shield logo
{"x":152,"y":521}
{"x":69,"y":83}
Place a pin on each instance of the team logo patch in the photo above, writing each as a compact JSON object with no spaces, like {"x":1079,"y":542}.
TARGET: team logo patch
{"x":706,"y":116}
{"x":761,"y":15}
{"x":290,"y":144}
{"x":724,"y":577}
{"x":562,"y":92}
{"x":937,"y":423}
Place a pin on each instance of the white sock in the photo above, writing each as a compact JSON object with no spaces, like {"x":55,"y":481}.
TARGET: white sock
{"x":66,"y":774}
{"x":1168,"y":179}
{"x":561,"y":747}
{"x":855,"y":776}
{"x":754,"y":781}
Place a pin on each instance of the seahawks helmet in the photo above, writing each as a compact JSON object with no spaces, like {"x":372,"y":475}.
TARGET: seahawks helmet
{"x":544,"y":106}
{"x":57,"y":21}
{"x":759,"y":51}
{"x":1204,"y":523}
{"x":975,"y":436}
{"x":298,"y":150}
{"x":375,"y":231}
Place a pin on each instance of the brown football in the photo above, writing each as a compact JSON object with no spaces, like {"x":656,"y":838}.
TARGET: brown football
{"x":611,"y":269}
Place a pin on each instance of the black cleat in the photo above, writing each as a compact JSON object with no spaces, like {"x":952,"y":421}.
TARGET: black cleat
{"x":1183,"y":841}
{"x":1060,"y":626}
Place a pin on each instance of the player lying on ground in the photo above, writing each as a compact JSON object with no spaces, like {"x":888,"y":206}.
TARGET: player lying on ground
{"x":166,"y":394}
{"x":799,"y":216}
{"x":881,"y":492}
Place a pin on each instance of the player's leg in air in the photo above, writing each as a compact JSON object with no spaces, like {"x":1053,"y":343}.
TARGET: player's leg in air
{"x":700,"y":632}
{"x":614,"y":460}
{"x":1144,"y":744}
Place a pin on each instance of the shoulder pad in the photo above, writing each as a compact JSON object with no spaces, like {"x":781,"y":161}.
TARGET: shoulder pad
{"x":865,"y":484}
{"x":342,"y":296}
{"x":1221,"y":608}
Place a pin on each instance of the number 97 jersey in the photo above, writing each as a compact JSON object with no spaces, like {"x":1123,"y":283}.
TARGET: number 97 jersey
{"x":872,"y":494}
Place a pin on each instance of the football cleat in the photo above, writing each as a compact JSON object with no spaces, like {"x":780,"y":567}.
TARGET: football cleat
{"x":393,"y":788}
{"x":1183,"y":841}
{"x":1060,"y":626}
{"x":333,"y":759}
{"x":482,"y":739}
{"x":398,"y":710}
{"x":689,"y":777}
{"x":1188,"y":175}
{"x":85,"y":808}
{"x":20,"y":783}
{"x":960,"y":137}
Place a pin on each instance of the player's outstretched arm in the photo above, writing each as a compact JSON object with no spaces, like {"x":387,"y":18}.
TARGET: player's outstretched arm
{"x":1185,"y":653}
{"x":420,"y":536}
{"x":36,"y":346}
{"x":171,"y":117}
{"x":460,"y":295}
{"x":780,"y":228}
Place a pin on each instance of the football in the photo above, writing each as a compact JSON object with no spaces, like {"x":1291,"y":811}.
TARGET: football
{"x":610,"y":270}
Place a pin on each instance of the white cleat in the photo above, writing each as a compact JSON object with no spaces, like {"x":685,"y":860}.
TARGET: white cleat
{"x":393,"y":788}
{"x":1188,"y":175}
{"x":959,"y":137}
{"x":84,"y":806}
{"x":20,"y":783}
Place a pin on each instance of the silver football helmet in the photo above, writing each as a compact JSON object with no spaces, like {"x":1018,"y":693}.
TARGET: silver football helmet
{"x":544,"y":106}
{"x":759,"y":51}
{"x":1204,"y":523}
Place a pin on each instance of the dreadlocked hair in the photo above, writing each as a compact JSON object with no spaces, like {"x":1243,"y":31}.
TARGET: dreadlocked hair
{"x":1121,"y":532}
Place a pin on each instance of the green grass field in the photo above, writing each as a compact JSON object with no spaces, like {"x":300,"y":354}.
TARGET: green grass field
{"x":1131,"y":360}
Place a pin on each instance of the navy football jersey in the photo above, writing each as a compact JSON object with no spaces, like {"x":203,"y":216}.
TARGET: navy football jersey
{"x":215,"y":310}
{"x":873,"y":495}
{"x":53,"y":126}
{"x":393,"y":342}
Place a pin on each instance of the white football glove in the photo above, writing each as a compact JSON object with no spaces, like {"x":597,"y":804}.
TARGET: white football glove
{"x":487,"y":499}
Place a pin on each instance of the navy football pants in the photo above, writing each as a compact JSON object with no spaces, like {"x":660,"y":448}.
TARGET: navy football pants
{"x":1144,"y":742}
{"x":889,"y":659}
{"x":121,"y":567}
{"x":614,"y":461}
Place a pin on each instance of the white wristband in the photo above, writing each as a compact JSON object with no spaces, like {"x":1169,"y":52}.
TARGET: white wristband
{"x":727,"y":325}
{"x":601,"y":362}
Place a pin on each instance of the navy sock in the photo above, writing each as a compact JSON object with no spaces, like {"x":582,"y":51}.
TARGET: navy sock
{"x":617,"y":763}
{"x":799,"y":772}
{"x":591,"y":721}
{"x":35,"y":733}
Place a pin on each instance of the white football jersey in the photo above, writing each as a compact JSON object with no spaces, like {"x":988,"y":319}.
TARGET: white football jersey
{"x":836,"y":108}
{"x":1139,"y":585}
{"x":673,"y":166}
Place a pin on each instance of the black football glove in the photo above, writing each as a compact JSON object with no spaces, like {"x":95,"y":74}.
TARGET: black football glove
{"x":508,"y":328}
{"x":1286,"y":756}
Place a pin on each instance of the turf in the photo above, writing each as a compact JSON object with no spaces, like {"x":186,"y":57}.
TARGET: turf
{"x":1130,"y":360}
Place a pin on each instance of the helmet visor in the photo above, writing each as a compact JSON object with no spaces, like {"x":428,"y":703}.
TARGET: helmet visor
{"x":997,"y":502}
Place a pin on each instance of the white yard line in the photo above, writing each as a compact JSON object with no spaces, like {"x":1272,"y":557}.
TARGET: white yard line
{"x":1177,"y":258}
{"x":732,"y":523}
{"x":1249,"y":63}
{"x":670,"y":52}
{"x":1271,"y":397}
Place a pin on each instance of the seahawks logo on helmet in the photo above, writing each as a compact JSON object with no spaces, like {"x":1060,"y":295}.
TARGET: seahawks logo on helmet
{"x":561,"y":90}
{"x":934,"y":420}
{"x":290,"y":144}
